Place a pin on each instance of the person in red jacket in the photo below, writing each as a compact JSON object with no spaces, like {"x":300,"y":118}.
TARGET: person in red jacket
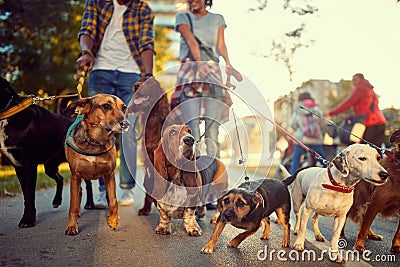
{"x":364,"y":101}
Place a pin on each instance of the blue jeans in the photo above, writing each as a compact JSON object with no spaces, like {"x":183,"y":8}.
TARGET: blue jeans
{"x":298,"y":151}
{"x":212,"y":117}
{"x":120,"y":84}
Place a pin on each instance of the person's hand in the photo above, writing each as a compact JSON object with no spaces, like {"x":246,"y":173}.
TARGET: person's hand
{"x":203,"y":69}
{"x":85,"y":58}
{"x":230,"y":71}
{"x":327,"y":116}
{"x":141,"y":81}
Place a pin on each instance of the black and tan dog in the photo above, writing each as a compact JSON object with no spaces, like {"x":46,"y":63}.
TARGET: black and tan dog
{"x":183,"y":181}
{"x":91,"y":153}
{"x":250,"y":204}
{"x":30,"y":136}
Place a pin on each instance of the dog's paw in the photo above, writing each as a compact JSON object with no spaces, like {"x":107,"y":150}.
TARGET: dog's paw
{"x":320,"y":238}
{"x":375,"y":237}
{"x":340,"y":260}
{"x":359,"y":248}
{"x":207,"y":249}
{"x":233,"y":243}
{"x":164,"y":230}
{"x":196,"y":231}
{"x":144,"y":212}
{"x":89,"y":206}
{"x":395,"y":249}
{"x":113,"y":222}
{"x":299,"y":246}
{"x":264,"y":237}
{"x":71,"y":230}
{"x":28,"y":221}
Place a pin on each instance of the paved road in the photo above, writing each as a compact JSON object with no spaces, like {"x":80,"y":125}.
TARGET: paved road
{"x":134,"y":243}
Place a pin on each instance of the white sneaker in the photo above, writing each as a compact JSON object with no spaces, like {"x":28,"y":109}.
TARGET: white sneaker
{"x":101,"y":202}
{"x":126,"y":198}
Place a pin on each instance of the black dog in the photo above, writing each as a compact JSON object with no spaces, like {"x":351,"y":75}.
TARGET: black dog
{"x":250,"y":204}
{"x":31,"y":137}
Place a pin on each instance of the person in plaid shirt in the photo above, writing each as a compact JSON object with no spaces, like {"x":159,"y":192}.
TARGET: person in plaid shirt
{"x":117,"y":45}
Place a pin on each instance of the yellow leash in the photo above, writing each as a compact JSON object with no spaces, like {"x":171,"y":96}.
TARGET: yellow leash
{"x":81,"y":81}
{"x":18,"y":108}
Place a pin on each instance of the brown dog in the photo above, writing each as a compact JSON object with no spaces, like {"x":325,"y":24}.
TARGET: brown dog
{"x":91,"y":153}
{"x":182,"y":181}
{"x":370,"y":200}
{"x":151,"y":103}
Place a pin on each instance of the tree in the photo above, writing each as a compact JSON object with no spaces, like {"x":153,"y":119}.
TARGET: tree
{"x":285,"y":47}
{"x":162,"y":47}
{"x":41,"y":36}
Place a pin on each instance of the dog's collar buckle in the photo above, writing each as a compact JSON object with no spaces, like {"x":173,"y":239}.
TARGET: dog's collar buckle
{"x":335,"y":186}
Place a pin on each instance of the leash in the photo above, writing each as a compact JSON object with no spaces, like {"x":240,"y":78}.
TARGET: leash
{"x":30,"y":100}
{"x":81,"y":75}
{"x":331,"y":123}
{"x":17,"y":108}
{"x":205,"y":131}
{"x":242,"y":160}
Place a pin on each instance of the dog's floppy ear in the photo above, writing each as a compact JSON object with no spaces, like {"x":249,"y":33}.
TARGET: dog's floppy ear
{"x":160,"y":173}
{"x":258,"y":199}
{"x":341,"y":163}
{"x":81,"y":106}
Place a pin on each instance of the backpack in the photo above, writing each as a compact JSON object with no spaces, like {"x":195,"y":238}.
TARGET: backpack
{"x":311,"y":127}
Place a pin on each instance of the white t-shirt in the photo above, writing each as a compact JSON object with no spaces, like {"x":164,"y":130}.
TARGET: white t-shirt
{"x":114,"y":53}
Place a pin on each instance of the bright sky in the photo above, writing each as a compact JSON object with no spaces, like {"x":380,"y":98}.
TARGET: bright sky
{"x":350,"y":37}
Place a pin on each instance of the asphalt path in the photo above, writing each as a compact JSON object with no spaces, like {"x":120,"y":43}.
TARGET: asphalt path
{"x":134,"y":242}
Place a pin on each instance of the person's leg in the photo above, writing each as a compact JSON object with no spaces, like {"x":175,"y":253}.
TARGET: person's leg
{"x":320,"y":150}
{"x":101,"y":82}
{"x":375,"y":134}
{"x":191,"y":114}
{"x":213,"y":115}
{"x":297,"y":152}
{"x":128,"y":148}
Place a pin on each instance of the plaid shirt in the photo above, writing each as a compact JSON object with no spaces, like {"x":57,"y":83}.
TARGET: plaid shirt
{"x":137,"y":25}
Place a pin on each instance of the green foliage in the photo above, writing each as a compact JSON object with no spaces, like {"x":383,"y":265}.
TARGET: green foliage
{"x":10,"y":186}
{"x":43,"y":36}
{"x":162,"y":46}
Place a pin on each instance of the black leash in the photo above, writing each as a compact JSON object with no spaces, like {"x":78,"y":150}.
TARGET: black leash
{"x":205,"y":131}
{"x":331,"y":123}
{"x":242,"y":160}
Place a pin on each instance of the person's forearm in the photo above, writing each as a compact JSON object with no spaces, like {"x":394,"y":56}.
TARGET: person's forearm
{"x":223,"y":51}
{"x":85,"y":42}
{"x":147,"y":59}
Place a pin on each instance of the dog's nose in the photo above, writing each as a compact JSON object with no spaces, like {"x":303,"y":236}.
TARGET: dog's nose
{"x":188,"y":140}
{"x":124,"y":124}
{"x":384,"y":175}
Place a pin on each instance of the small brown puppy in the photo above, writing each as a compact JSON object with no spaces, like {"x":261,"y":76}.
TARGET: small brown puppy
{"x":90,"y":150}
{"x":250,"y":204}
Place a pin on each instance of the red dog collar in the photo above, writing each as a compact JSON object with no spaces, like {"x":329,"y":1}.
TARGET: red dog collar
{"x":335,"y":186}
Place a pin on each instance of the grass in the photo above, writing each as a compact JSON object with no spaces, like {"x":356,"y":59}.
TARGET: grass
{"x":10,"y":186}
